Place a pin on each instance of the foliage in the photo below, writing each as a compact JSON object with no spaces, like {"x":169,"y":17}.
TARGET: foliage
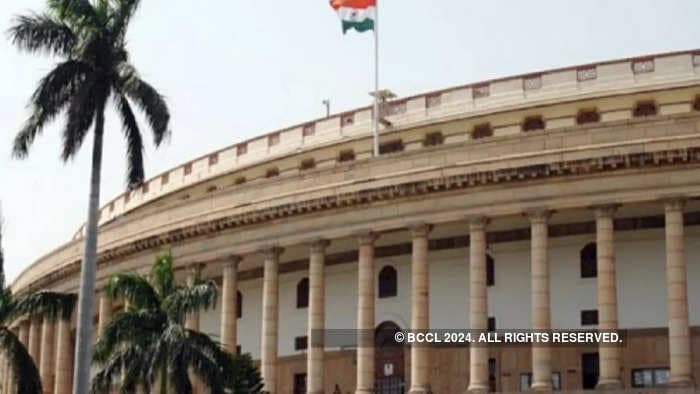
{"x":149,"y":345}
{"x":37,"y":305}
{"x":89,"y":38}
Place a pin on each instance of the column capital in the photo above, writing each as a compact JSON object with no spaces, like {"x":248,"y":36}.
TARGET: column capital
{"x":319,"y":245}
{"x":674,"y":204}
{"x":538,"y":215}
{"x":233,"y":261}
{"x":366,"y":237}
{"x":605,"y":210}
{"x":420,"y":230}
{"x":478,"y":222}
{"x":271,"y":252}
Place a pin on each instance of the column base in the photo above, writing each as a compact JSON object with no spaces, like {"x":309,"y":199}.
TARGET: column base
{"x":541,"y":387}
{"x":478,"y":388}
{"x":420,"y":390}
{"x":681,"y":382}
{"x":609,"y":384}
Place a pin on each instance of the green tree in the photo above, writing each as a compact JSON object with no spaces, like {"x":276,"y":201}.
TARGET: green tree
{"x":94,"y":70}
{"x":148,"y":344}
{"x":25,"y":373}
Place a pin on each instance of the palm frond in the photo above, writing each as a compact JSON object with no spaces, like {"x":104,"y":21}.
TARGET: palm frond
{"x":82,"y":111}
{"x":133,"y":288}
{"x":42,"y":33}
{"x":51,"y":97}
{"x":24,"y":371}
{"x":2,"y":258}
{"x":77,"y":13}
{"x":147,"y":99}
{"x":134,"y":144}
{"x":191,"y":299}
{"x":162,"y":275}
{"x":128,"y":359}
{"x":131,"y":327}
{"x":121,"y":15}
{"x":46,"y":304}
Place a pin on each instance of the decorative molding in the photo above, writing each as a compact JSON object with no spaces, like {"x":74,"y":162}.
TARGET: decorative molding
{"x":463,"y":181}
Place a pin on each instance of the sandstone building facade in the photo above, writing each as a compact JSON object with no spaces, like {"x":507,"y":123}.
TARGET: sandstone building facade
{"x":565,"y":199}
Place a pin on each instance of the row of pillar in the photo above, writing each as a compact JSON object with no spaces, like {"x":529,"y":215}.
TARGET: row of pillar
{"x":48,"y":342}
{"x":39,"y":338}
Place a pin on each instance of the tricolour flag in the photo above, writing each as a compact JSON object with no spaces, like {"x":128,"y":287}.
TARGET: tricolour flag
{"x":356,"y":14}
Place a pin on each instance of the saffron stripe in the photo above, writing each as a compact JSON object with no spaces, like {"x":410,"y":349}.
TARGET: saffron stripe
{"x":359,"y":4}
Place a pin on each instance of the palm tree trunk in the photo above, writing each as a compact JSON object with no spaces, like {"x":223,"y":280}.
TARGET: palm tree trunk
{"x":86,"y":298}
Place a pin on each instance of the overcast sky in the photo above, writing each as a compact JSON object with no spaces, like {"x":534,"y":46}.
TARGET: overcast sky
{"x":235,"y":69}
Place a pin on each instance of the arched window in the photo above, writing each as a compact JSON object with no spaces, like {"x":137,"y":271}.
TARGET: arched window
{"x":303,"y":293}
{"x":490,"y":271}
{"x":239,"y":304}
{"x":387,"y":282}
{"x":589,"y":261}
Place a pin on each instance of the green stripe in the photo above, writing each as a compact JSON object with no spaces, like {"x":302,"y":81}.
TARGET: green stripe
{"x":361,"y":26}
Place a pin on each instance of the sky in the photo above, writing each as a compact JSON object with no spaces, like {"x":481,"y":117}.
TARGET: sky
{"x":234,"y":69}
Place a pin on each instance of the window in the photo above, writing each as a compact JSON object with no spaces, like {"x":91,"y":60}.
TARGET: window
{"x":490,"y":271}
{"x":239,"y":181}
{"x":586,"y":73}
{"x":526,"y":381}
{"x":213,"y":159}
{"x":273,"y":139}
{"x":346,"y":155}
{"x":696,"y":103}
{"x":492,"y":324}
{"x":492,"y":375}
{"x":272,"y":172}
{"x":242,"y":149}
{"x":391,"y":147}
{"x":481,"y":91}
{"x":482,"y":131}
{"x":164,"y":179}
{"x":589,"y":317}
{"x":387,"y":282}
{"x":650,"y":377}
{"x":187,"y":169}
{"x":303,"y":293}
{"x":589,"y":261}
{"x":212,"y":188}
{"x":309,"y":130}
{"x":533,"y":123}
{"x":347,"y":120}
{"x":301,"y":343}
{"x":433,"y":139}
{"x":433,"y":100}
{"x":299,"y":383}
{"x":588,"y":116}
{"x":307,"y":164}
{"x":239,"y":304}
{"x":645,"y":108}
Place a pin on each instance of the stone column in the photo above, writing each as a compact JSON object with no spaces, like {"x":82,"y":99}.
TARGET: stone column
{"x":317,"y":317}
{"x":365,"y":314}
{"x":420,"y":308}
{"x":24,"y":334}
{"x":541,"y":320}
{"x":677,"y":297}
{"x":478,"y":305}
{"x":48,"y":364}
{"x":607,"y":297}
{"x":35,"y":340}
{"x":105,"y":312}
{"x":229,"y":305}
{"x":270,"y":322}
{"x":64,"y":359}
{"x":192,"y":323}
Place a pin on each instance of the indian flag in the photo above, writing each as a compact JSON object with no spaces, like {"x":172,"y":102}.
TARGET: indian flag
{"x":356,"y":14}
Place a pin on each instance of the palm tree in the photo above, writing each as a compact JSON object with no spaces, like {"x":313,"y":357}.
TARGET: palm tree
{"x":89,"y":38}
{"x":25,"y":373}
{"x":148,"y":345}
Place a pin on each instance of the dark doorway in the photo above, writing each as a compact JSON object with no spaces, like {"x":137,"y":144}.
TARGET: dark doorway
{"x":589,"y":370}
{"x":493,"y":373}
{"x":389,"y":360}
{"x":300,"y":383}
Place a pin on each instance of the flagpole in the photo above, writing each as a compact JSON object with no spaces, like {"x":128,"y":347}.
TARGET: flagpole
{"x":376,"y":80}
